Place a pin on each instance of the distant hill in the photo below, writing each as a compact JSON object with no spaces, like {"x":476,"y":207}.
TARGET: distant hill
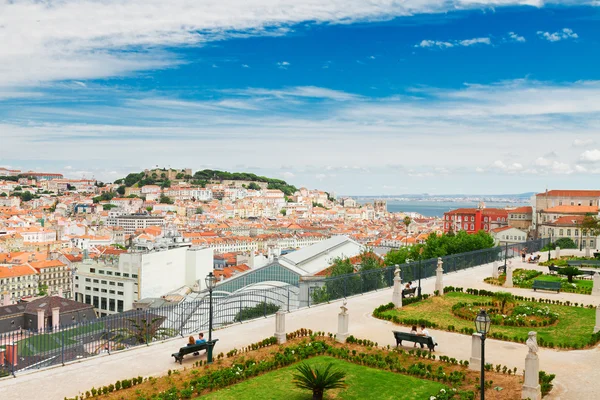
{"x":202,"y":178}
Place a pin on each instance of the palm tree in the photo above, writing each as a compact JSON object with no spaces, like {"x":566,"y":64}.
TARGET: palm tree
{"x":407,"y":222}
{"x":503,"y":298}
{"x":569,"y":272}
{"x":318,"y":379}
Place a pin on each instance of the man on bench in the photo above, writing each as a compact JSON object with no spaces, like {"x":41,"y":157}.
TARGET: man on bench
{"x":200,"y":340}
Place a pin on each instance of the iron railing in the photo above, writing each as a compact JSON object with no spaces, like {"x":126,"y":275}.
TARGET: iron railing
{"x":27,"y":349}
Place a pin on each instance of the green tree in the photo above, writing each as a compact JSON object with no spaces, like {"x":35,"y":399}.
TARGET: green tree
{"x":165,"y":199}
{"x":569,"y":272}
{"x":43,"y":290}
{"x":318,"y":379}
{"x":503,"y":298}
{"x":262,"y":309}
{"x":108,"y":207}
{"x":139,"y":331}
{"x":2,"y":194}
{"x":407,"y":222}
{"x":283,"y":212}
{"x":253,"y":186}
{"x":121,"y":190}
{"x":590,"y":226}
{"x":149,"y":208}
{"x":199,"y":210}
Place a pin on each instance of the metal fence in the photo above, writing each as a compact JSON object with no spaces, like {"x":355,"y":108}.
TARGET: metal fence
{"x":328,"y":289}
{"x":25,"y":350}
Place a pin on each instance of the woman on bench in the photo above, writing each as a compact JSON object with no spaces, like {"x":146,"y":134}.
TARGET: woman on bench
{"x":191,"y":341}
{"x":413,"y":331}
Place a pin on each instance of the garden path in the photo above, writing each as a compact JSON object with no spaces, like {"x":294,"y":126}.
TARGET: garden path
{"x":578,"y":372}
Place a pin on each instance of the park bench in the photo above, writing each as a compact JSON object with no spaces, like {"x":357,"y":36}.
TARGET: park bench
{"x":408,"y":292}
{"x":421,"y":340}
{"x":534,"y":260}
{"x":502,"y":269}
{"x":553,"y":269}
{"x":583,"y":263}
{"x":189,"y":350}
{"x":546,"y":285}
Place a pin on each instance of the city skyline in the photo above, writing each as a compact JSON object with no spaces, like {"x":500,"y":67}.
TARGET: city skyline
{"x":360,"y":99}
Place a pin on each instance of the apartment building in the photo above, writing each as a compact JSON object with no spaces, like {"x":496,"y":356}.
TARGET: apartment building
{"x":133,"y":222}
{"x":472,"y":220}
{"x":113,"y":286}
{"x":18,"y":281}
{"x":55,"y":275}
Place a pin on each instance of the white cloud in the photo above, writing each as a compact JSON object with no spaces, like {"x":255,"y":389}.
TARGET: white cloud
{"x":454,"y":43}
{"x":245,"y":66}
{"x":583,"y":142}
{"x":283,"y":64}
{"x":68,"y":167}
{"x":88,"y":39}
{"x":590,"y":156}
{"x":320,"y":177}
{"x":297,"y":91}
{"x":565,"y":33}
{"x":479,"y":170}
{"x":288,"y":175}
{"x":516,"y":38}
{"x":474,"y":41}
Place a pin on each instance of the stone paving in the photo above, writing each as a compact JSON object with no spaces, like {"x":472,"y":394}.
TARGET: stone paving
{"x":578,"y":372}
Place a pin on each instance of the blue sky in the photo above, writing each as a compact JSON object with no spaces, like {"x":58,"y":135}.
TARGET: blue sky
{"x":380,"y":98}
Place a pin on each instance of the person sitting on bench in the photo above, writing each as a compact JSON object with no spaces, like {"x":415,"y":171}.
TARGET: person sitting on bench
{"x":191,"y":341}
{"x":200,"y":340}
{"x":413,"y":331}
{"x":425,"y":332}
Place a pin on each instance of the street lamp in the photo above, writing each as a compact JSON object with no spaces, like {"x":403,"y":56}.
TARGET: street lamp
{"x":482,"y":326}
{"x":211,"y":282}
{"x":420,"y":257}
{"x":550,"y":244}
{"x":505,"y":255}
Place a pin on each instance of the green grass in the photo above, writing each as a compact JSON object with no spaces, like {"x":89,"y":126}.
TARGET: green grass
{"x":51,"y":341}
{"x":574,"y":327}
{"x":363,"y":383}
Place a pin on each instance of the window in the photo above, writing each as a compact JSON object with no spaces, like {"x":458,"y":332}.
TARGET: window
{"x":88,"y":280}
{"x":576,"y":232}
{"x":120,"y":293}
{"x":95,"y":289}
{"x":95,"y":280}
{"x":135,"y":276}
{"x":126,"y":275}
{"x":103,"y":303}
{"x":103,"y":282}
{"x":88,"y":288}
{"x":102,"y":290}
{"x":101,"y":272}
{"x":120,"y":284}
{"x":560,"y":232}
{"x":111,"y":291}
{"x":92,"y":270}
{"x":117,"y":274}
{"x":88,"y":299}
{"x":119,"y":305}
{"x":472,"y":226}
{"x":568,"y":232}
{"x":108,"y":272}
{"x":96,"y":301}
{"x":111,"y":304}
{"x":111,"y":283}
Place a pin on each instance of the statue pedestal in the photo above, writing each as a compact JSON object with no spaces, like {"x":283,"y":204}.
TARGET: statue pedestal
{"x":509,"y":277}
{"x":597,"y":327}
{"x":495,"y":273}
{"x":596,"y":284}
{"x":342,"y":333}
{"x":475,"y":360}
{"x":280,"y":327}
{"x":439,"y":277}
{"x":397,"y":294}
{"x":531,"y":387}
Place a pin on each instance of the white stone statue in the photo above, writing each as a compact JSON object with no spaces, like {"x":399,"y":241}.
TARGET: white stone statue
{"x":397,"y":272}
{"x":532,"y":342}
{"x":343,"y":307}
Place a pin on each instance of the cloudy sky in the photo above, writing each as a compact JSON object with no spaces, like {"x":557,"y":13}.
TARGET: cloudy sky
{"x":377,"y":97}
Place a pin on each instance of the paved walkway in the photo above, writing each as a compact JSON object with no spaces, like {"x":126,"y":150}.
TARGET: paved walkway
{"x":578,"y":372}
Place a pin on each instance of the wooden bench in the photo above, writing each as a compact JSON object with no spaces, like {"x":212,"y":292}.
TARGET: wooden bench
{"x":546,"y":285}
{"x":421,"y":340}
{"x":553,"y":269}
{"x":189,"y":350}
{"x":409,"y":292}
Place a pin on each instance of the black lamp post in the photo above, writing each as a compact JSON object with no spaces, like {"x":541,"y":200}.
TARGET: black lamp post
{"x":550,"y":245}
{"x":211,"y":282}
{"x":482,"y":326}
{"x":420,"y":257}
{"x":505,"y":255}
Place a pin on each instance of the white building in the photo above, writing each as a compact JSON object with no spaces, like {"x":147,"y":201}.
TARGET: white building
{"x":113,"y":285}
{"x":131,"y":223}
{"x":507,"y":234}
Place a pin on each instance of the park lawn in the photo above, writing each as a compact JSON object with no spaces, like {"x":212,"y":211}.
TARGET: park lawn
{"x":574,"y":327}
{"x":582,"y":283}
{"x":51,"y":341}
{"x":363,"y":383}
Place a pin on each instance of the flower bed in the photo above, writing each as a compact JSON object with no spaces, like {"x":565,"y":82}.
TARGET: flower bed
{"x":523,"y":278}
{"x":513,"y":315}
{"x":572,"y":329}
{"x":244,"y":364}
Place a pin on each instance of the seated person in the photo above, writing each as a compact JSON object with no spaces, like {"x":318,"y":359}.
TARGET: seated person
{"x":413,"y":331}
{"x":191,"y":341}
{"x":413,"y":285}
{"x":200,"y":340}
{"x":425,"y":332}
{"x":407,"y":286}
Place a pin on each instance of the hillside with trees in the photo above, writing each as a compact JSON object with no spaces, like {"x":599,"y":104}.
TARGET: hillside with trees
{"x":206,"y":176}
